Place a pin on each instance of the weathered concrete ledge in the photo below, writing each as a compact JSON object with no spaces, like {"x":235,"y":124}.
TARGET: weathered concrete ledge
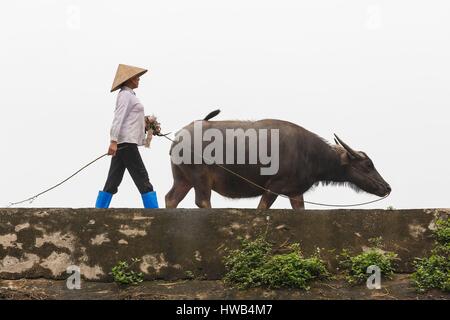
{"x":172,"y":243}
{"x":398,"y":288}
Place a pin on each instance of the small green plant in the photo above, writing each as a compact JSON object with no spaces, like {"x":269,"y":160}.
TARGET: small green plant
{"x":390,"y":208}
{"x":123,"y":274}
{"x":355,"y":266}
{"x":376,"y":242}
{"x":244,"y":264}
{"x":442,"y":232}
{"x":189,"y":274}
{"x":434,"y":271}
{"x":254,"y":265}
{"x":293,"y":270}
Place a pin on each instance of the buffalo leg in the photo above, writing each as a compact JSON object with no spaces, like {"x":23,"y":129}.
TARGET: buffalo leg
{"x":179,"y":190}
{"x":297,"y":202}
{"x":203,"y":196}
{"x":202,"y":185}
{"x":267,"y":200}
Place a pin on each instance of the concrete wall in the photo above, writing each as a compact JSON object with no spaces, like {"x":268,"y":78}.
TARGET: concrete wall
{"x":37,"y":242}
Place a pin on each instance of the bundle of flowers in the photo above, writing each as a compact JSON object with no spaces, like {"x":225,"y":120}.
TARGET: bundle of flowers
{"x":152,"y":128}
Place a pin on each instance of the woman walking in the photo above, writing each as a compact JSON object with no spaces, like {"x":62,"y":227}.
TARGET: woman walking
{"x":127,"y":133}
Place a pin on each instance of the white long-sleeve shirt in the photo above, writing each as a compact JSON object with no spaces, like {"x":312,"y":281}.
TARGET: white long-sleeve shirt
{"x":129,"y":119}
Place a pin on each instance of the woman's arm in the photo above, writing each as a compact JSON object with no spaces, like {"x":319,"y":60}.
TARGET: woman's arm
{"x":120,"y":114}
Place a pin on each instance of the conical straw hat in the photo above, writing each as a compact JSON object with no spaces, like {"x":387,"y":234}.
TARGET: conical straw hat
{"x":124,"y":73}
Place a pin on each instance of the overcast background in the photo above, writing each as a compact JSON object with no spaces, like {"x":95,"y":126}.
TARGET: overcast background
{"x":377,"y":73}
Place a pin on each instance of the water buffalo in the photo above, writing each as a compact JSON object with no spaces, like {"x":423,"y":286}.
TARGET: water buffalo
{"x":305,"y":160}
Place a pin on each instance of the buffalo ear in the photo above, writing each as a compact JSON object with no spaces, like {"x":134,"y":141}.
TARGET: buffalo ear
{"x":350,"y":155}
{"x":344,"y":156}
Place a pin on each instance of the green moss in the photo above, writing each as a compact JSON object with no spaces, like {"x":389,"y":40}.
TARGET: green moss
{"x":255,"y":265}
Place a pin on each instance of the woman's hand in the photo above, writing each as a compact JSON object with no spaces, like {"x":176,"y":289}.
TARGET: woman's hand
{"x":112,"y":148}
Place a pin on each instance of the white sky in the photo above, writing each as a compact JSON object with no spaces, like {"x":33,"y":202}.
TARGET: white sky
{"x":377,"y":73}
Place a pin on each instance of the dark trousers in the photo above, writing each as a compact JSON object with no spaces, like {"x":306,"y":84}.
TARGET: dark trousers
{"x":127,"y":157}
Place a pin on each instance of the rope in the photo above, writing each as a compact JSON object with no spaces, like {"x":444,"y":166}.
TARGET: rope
{"x":31,"y":199}
{"x":279,"y":194}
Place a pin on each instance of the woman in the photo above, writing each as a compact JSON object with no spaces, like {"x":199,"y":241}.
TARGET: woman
{"x":127,"y":133}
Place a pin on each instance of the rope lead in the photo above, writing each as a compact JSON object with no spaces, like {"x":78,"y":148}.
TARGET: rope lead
{"x":31,"y":199}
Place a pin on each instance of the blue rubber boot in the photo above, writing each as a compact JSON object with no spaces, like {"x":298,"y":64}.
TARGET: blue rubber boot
{"x":150,"y":200}
{"x":103,"y":199}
